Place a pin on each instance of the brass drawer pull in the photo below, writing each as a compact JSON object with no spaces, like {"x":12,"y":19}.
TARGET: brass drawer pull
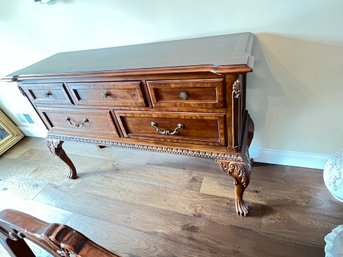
{"x":167,"y":132}
{"x":183,"y":95}
{"x":105,"y":94}
{"x":48,"y":94}
{"x":77,"y":124}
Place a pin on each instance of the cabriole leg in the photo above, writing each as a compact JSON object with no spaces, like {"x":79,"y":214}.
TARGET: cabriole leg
{"x":55,"y":147}
{"x":240,"y":172}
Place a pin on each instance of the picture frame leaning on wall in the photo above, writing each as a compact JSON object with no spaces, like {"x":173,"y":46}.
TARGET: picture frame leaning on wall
{"x":9,"y":133}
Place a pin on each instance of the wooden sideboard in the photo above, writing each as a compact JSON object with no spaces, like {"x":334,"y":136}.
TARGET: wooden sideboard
{"x":183,"y":97}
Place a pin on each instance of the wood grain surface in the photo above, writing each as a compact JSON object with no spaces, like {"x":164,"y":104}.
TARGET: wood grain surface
{"x":227,"y":52}
{"x":151,"y":204}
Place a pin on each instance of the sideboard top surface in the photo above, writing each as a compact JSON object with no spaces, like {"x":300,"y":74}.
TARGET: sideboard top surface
{"x":208,"y":54}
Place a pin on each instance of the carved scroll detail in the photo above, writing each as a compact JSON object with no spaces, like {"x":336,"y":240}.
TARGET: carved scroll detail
{"x":238,"y":170}
{"x":55,"y":147}
{"x":161,"y":149}
{"x":236,"y":89}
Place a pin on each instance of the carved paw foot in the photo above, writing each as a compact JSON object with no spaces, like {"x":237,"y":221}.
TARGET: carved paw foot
{"x":242,"y":207}
{"x":72,"y":174}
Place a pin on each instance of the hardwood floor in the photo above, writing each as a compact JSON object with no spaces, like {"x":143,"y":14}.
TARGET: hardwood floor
{"x":148,"y":204}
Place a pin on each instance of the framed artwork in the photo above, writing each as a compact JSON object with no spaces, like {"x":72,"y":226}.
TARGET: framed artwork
{"x":9,"y":133}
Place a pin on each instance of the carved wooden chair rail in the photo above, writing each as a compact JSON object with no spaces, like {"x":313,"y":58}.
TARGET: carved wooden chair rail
{"x":59,"y":240}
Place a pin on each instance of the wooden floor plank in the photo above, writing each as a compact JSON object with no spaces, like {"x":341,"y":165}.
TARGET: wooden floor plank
{"x":189,"y":231}
{"x":163,"y":176}
{"x":44,"y":212}
{"x":287,"y":175}
{"x":128,"y":242}
{"x":110,"y":153}
{"x":15,"y":169}
{"x":158,"y":196}
{"x":314,"y":199}
{"x":184,"y":162}
{"x":25,"y":144}
{"x":295,"y":224}
{"x":150,"y":204}
{"x":232,"y":244}
{"x":130,"y":214}
{"x":151,"y":220}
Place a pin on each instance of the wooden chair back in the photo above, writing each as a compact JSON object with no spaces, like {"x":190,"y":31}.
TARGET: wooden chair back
{"x":57,"y":239}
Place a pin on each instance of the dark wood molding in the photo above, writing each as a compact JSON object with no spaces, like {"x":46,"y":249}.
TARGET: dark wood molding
{"x":150,"y":148}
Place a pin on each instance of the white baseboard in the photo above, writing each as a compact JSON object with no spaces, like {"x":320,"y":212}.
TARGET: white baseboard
{"x":291,"y":158}
{"x":34,"y":131}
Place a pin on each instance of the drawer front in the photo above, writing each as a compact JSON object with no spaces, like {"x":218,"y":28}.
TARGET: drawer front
{"x":114,"y":94}
{"x":197,"y":93}
{"x":47,"y":94}
{"x":94,"y":124}
{"x":197,"y":128}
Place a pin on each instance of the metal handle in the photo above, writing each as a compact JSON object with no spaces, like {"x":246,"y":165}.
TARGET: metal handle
{"x":183,"y":95}
{"x":167,"y":132}
{"x":105,"y":94}
{"x":48,"y":94}
{"x":77,"y":124}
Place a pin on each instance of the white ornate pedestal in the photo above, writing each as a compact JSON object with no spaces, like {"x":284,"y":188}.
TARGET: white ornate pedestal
{"x":334,"y":243}
{"x":333,"y":175}
{"x":333,"y":178}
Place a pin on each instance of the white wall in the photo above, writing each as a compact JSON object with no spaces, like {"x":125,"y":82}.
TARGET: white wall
{"x":294,"y":93}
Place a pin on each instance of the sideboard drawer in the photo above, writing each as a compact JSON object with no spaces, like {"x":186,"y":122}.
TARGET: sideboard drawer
{"x":114,"y":94}
{"x":95,"y":123}
{"x":47,"y":94}
{"x":200,"y":93}
{"x":197,"y":128}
